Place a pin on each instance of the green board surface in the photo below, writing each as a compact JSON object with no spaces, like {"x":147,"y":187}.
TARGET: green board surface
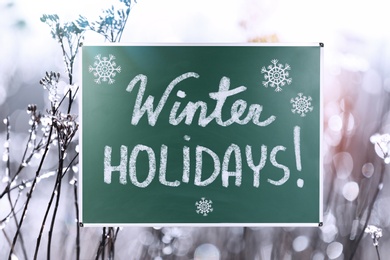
{"x":201,"y":135}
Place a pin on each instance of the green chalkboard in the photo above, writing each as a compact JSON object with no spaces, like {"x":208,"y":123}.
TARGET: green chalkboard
{"x":201,"y":135}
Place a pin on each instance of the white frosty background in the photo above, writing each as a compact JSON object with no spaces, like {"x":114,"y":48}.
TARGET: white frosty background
{"x":356,"y":89}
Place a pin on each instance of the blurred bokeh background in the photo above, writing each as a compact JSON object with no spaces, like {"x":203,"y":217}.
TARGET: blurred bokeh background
{"x":356,"y":90}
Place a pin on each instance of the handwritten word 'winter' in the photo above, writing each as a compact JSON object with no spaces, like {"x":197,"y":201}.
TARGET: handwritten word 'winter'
{"x":187,"y":114}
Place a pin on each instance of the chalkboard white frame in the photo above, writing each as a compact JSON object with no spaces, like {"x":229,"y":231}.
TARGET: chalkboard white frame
{"x":84,"y":223}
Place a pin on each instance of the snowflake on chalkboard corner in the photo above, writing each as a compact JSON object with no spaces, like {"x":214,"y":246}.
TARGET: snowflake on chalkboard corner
{"x":104,"y":69}
{"x":301,"y":105}
{"x":276,"y":75}
{"x":204,"y":206}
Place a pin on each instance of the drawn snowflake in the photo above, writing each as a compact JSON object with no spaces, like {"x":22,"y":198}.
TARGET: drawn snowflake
{"x":104,"y":69}
{"x":301,"y":104}
{"x":276,"y":75}
{"x":204,"y":206}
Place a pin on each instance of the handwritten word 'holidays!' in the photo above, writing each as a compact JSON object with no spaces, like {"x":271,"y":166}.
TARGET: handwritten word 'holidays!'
{"x":238,"y":108}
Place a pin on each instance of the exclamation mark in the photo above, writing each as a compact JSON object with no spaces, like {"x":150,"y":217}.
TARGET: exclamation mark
{"x":297,"y":148}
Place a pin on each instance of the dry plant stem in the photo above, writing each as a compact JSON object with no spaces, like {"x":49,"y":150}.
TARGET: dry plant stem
{"x":108,"y":241}
{"x":44,"y":221}
{"x":47,"y":214}
{"x":8,"y":162}
{"x":371,"y":206}
{"x":29,"y":194}
{"x":24,"y":160}
{"x":14,"y":216}
{"x":61,"y":156}
{"x":8,"y":167}
{"x":58,"y":195}
{"x":100,"y":249}
{"x":6,"y":237}
{"x":70,"y":101}
{"x":71,"y":98}
{"x":61,"y":152}
{"x":103,"y":244}
{"x":76,"y":205}
{"x":70,"y":164}
{"x":377,"y":252}
{"x":111,"y":242}
{"x":69,"y":92}
{"x":119,"y":35}
{"x":68,"y":59}
{"x":69,"y":62}
{"x":115,"y":237}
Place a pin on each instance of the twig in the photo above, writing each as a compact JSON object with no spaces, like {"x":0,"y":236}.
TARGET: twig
{"x":29,"y":194}
{"x":76,"y":204}
{"x":8,"y":189}
{"x":61,"y":152}
{"x":44,"y":221}
{"x":377,"y":252}
{"x":101,"y":246}
{"x":16,"y":222}
{"x":369,"y":213}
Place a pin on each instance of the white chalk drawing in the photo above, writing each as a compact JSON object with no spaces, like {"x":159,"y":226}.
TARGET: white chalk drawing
{"x":104,"y":69}
{"x":204,"y":206}
{"x":189,"y":111}
{"x":301,"y":104}
{"x":276,"y":75}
